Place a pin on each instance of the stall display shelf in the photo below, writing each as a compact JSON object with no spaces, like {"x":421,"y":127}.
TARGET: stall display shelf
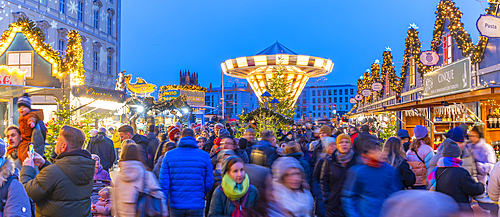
{"x":453,"y":122}
{"x":493,"y":129}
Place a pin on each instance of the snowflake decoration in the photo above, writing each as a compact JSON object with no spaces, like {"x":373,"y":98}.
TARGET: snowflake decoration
{"x":103,"y":15}
{"x":413,"y":26}
{"x":377,"y":61}
{"x":388,"y":48}
{"x":73,"y":7}
{"x":53,"y":24}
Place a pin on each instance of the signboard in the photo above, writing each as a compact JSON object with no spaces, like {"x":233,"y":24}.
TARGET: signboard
{"x":429,"y":58}
{"x":193,"y":97}
{"x":11,"y":76}
{"x":169,"y":93}
{"x":377,"y":86}
{"x":366,"y":92}
{"x":99,"y":93}
{"x":450,"y":79}
{"x":488,"y":26}
{"x":358,"y":97}
{"x":352,"y":100}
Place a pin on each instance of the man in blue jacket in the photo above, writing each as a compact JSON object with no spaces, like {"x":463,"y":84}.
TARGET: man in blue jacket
{"x":186,"y":176}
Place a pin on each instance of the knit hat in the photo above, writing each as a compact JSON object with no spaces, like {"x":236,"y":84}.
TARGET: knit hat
{"x":420,"y":131}
{"x":24,"y":101}
{"x":316,"y":130}
{"x":243,"y":143}
{"x":403,"y":134}
{"x":451,"y":149}
{"x":326,"y":129}
{"x":223,"y":133}
{"x":457,"y":134}
{"x":282,"y":164}
{"x":93,"y":132}
{"x":225,"y":162}
{"x":343,"y":136}
{"x":172,"y":130}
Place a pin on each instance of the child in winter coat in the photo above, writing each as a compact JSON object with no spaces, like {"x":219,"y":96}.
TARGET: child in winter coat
{"x":27,"y":121}
{"x":100,"y":173}
{"x":102,"y":208}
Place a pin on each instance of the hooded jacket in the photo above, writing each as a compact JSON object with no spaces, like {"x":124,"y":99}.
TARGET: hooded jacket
{"x":186,"y":175}
{"x":296,"y":203}
{"x":152,"y":148}
{"x":18,"y":202}
{"x":62,"y":188}
{"x":143,"y":142}
{"x":26,"y":132}
{"x":103,"y":147}
{"x":360,"y":139}
{"x":127,"y":184}
{"x":263,"y":154}
{"x":485,"y":158}
{"x":333,"y":176}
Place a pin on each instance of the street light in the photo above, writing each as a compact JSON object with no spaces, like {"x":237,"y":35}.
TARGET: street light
{"x":275,"y":103}
{"x":265,"y":98}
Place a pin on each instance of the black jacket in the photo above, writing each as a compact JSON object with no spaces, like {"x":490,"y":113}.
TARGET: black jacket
{"x":316,"y":188}
{"x":103,"y":147}
{"x":333,"y":176}
{"x":159,"y":150}
{"x":362,"y":137}
{"x":209,"y":144}
{"x":152,"y":147}
{"x":407,"y":175}
{"x":406,"y":146}
{"x":263,"y":154}
{"x":457,"y":183}
{"x":143,"y":142}
{"x":317,"y":151}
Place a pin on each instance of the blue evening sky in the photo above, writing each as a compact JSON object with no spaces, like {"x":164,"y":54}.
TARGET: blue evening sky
{"x":162,"y":37}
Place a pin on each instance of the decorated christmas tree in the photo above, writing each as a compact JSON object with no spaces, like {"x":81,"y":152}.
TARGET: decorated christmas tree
{"x":375,"y":74}
{"x":281,"y":89}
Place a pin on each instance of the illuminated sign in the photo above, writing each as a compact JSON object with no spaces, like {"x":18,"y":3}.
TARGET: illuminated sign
{"x":193,"y":97}
{"x":99,"y":93}
{"x":11,"y":75}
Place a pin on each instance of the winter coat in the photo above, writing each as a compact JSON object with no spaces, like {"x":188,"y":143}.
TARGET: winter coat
{"x":161,"y":147}
{"x":407,"y":176}
{"x":102,"y":208}
{"x":257,"y":175}
{"x":156,"y":169}
{"x":143,"y":142}
{"x":101,"y":174}
{"x":103,"y":147}
{"x":209,"y":144}
{"x":305,"y":165}
{"x":406,"y":146}
{"x":366,"y":188}
{"x":17,"y":202}
{"x":221,"y":205}
{"x":152,"y":147}
{"x":353,"y":137}
{"x":418,"y":167}
{"x":485,"y":158}
{"x":320,"y":206}
{"x":127,"y":184}
{"x":62,"y":188}
{"x":298,"y":203}
{"x":186,"y":175}
{"x":457,"y":183}
{"x":494,"y":183}
{"x":333,"y":175}
{"x":317,"y":151}
{"x":116,"y":140}
{"x":26,"y":131}
{"x":309,"y":134}
{"x":360,"y":139}
{"x":263,"y":154}
{"x":243,"y":155}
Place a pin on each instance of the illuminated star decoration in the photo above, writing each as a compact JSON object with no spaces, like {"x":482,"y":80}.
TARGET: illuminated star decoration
{"x":72,"y":7}
{"x":367,"y":70}
{"x":388,"y":48}
{"x":413,"y":26}
{"x":53,"y":24}
{"x":377,"y":61}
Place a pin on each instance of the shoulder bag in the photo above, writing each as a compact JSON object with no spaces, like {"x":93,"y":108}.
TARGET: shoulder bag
{"x":147,"y":204}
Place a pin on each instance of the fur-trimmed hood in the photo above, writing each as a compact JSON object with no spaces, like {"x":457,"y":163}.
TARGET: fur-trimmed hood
{"x":6,"y":170}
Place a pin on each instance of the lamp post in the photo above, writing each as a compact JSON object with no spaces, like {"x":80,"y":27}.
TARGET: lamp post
{"x":275,"y":103}
{"x":265,"y":98}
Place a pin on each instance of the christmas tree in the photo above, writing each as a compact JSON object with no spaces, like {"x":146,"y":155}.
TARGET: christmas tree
{"x":281,"y":89}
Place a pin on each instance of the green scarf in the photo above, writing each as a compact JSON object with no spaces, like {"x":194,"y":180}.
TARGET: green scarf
{"x":232,"y":190}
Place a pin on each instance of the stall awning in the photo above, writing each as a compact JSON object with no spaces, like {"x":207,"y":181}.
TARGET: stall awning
{"x":10,"y":90}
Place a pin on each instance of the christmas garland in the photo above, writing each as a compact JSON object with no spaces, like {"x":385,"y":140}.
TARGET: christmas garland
{"x":245,"y":118}
{"x":73,"y":61}
{"x":187,"y":87}
{"x":150,"y":104}
{"x":412,"y":50}
{"x":367,"y":83}
{"x":388,"y":72}
{"x":375,"y":74}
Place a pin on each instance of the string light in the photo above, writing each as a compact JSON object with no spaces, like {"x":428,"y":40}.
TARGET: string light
{"x":73,"y":61}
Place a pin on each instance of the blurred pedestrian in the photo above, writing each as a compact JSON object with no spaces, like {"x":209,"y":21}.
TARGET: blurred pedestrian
{"x":420,"y":203}
{"x":393,"y":154}
{"x":293,"y":149}
{"x":153,"y":145}
{"x":250,"y":137}
{"x":230,"y":143}
{"x":173,"y":134}
{"x":103,"y":147}
{"x":362,"y":137}
{"x":483,"y":153}
{"x":290,"y":188}
{"x":419,"y":156}
{"x":127,"y":132}
{"x":264,"y":153}
{"x":353,"y":132}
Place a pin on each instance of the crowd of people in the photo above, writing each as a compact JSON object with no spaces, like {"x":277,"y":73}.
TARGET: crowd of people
{"x":204,"y":170}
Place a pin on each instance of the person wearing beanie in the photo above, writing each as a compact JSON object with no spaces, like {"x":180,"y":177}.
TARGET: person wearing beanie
{"x":174,"y":134}
{"x":468,"y":162}
{"x":17,"y":202}
{"x":369,"y":182}
{"x":334,"y":172}
{"x":28,"y":119}
{"x":235,"y":192}
{"x":290,"y":189}
{"x":419,"y":156}
{"x":451,"y":179}
{"x":404,"y":136}
{"x":362,"y":137}
{"x":483,"y":153}
{"x":292,"y":149}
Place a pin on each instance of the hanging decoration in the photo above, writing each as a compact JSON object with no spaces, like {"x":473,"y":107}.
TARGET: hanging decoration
{"x":411,"y":113}
{"x":73,"y":60}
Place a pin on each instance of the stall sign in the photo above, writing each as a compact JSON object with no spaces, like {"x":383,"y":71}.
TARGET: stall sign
{"x":193,"y":97}
{"x":429,"y":58}
{"x":488,"y":26}
{"x":377,"y":86}
{"x":358,"y":97}
{"x":11,"y":76}
{"x":352,"y":100}
{"x":366,"y":93}
{"x":99,"y":93}
{"x":451,"y":79}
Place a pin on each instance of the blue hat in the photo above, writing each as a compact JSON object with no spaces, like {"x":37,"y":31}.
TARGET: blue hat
{"x":457,"y":134}
{"x":403,"y":134}
{"x":420,"y":131}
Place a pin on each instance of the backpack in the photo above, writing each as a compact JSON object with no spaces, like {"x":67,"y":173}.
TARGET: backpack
{"x":4,"y":192}
{"x":240,"y":209}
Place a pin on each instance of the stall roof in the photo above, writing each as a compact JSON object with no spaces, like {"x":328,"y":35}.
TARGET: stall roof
{"x":10,"y":90}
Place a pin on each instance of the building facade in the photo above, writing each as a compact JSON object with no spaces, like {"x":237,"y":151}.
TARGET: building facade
{"x":238,"y":101}
{"x":322,"y":102}
{"x":98,"y":22}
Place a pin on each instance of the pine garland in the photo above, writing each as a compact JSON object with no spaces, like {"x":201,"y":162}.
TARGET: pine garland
{"x":73,"y":61}
{"x":375,"y":74}
{"x":388,"y":72}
